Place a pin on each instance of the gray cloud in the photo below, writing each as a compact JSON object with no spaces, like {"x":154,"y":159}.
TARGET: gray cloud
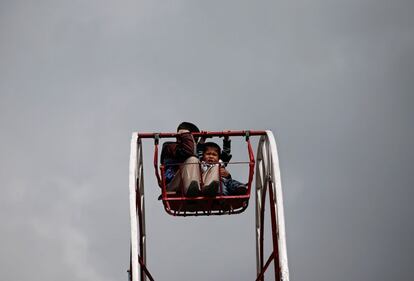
{"x":331,"y":79}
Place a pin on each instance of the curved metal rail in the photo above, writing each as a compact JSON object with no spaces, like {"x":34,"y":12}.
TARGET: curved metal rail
{"x":137,"y":211}
{"x":268,"y":179}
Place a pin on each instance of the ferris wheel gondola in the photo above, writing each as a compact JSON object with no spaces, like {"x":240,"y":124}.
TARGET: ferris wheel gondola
{"x":177,"y":204}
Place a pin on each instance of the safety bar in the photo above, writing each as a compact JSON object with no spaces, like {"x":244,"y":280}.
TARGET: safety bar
{"x":203,"y":134}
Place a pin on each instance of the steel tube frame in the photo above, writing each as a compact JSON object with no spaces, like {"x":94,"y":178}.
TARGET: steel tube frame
{"x":137,"y":210}
{"x":267,"y":178}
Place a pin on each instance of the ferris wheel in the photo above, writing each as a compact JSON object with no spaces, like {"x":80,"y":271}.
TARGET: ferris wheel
{"x":267,"y":181}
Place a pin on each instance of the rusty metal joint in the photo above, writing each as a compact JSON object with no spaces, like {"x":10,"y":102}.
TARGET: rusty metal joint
{"x":156,"y":139}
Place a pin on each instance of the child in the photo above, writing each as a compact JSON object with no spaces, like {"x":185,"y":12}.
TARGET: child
{"x":211,"y":158}
{"x":182,"y":166}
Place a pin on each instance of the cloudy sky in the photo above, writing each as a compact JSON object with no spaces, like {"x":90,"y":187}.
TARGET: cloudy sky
{"x":332,"y":79}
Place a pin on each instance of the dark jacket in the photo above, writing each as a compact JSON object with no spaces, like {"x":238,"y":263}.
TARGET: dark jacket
{"x":225,"y":154}
{"x":175,"y":153}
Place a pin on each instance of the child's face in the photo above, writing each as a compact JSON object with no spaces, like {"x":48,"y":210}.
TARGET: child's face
{"x":211,"y":155}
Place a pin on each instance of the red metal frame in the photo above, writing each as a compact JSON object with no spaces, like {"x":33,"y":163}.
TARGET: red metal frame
{"x":179,"y":208}
{"x":180,"y":205}
{"x":274,"y":256}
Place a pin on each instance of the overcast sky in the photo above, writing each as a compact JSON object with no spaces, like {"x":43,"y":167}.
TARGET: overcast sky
{"x":332,"y":79}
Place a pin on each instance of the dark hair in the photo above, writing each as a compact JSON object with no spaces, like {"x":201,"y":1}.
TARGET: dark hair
{"x":188,"y":126}
{"x":212,"y":144}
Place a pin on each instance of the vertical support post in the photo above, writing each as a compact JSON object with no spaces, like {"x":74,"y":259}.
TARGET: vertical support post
{"x":141,"y":212}
{"x":133,"y":174}
{"x":277,"y":209}
{"x":137,"y":209}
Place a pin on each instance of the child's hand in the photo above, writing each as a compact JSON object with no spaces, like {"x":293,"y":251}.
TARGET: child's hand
{"x":224,"y":173}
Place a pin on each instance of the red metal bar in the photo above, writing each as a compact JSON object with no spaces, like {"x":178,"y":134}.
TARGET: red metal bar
{"x":203,"y":133}
{"x":156,"y":165}
{"x":220,"y":181}
{"x":269,"y":260}
{"x":164,"y":184}
{"x":204,"y":213}
{"x":164,"y":189}
{"x":183,"y":198}
{"x":274,"y":232}
{"x":262,"y":214}
{"x":251,"y":166}
{"x":141,"y":246}
{"x":143,"y":266}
